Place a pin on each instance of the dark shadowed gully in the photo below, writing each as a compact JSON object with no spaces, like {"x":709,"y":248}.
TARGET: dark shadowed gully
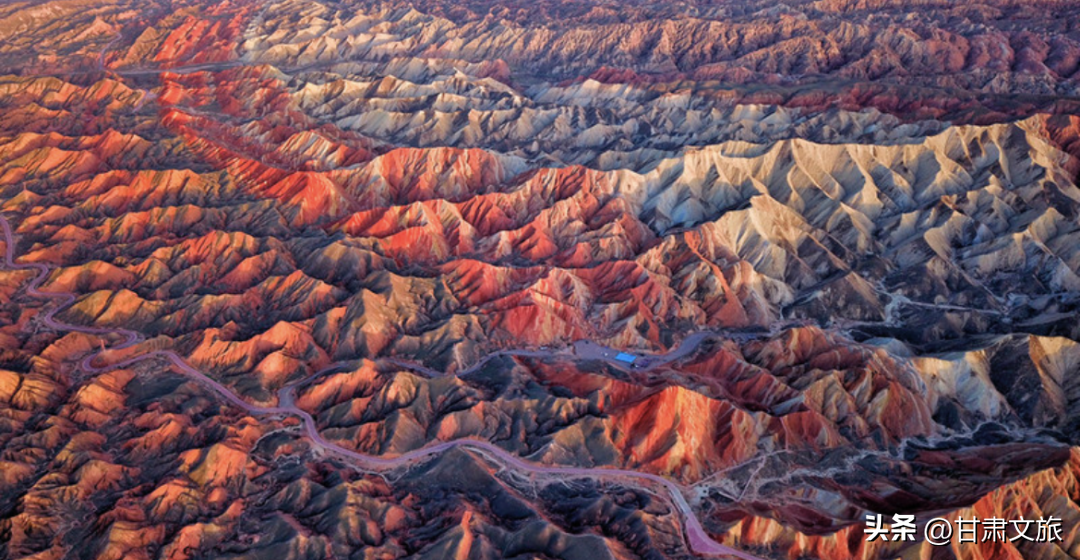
{"x":696,"y":537}
{"x":307,"y":279}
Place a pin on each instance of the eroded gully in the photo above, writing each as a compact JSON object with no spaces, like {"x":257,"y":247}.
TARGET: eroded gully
{"x":697,"y":538}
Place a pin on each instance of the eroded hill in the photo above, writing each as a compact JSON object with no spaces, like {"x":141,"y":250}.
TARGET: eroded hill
{"x":270,"y":253}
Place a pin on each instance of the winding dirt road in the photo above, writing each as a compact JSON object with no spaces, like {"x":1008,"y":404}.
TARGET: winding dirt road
{"x":697,"y":538}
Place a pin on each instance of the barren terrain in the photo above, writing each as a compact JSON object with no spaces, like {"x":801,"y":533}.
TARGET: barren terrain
{"x":309,"y":279}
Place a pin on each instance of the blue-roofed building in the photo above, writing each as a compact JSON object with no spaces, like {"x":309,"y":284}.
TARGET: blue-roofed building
{"x":624,"y":357}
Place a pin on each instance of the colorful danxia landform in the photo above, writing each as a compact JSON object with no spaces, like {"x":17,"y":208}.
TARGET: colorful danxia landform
{"x":550,"y":279}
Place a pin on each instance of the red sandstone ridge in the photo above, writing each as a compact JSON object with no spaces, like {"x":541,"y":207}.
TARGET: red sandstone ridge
{"x":564,"y":280}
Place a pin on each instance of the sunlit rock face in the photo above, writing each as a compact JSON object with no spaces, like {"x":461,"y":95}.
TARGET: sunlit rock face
{"x":260,"y":243}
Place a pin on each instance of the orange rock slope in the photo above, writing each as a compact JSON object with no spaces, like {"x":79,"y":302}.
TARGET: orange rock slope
{"x":267,"y":253}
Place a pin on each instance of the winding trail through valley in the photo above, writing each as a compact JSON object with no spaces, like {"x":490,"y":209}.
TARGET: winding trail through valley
{"x":697,"y":538}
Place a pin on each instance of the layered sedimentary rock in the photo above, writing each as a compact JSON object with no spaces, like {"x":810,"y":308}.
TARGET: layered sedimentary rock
{"x":270,"y":253}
